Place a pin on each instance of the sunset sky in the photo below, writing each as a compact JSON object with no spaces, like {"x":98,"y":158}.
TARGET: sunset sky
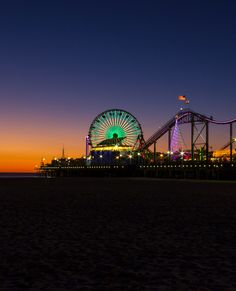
{"x":64,"y":62}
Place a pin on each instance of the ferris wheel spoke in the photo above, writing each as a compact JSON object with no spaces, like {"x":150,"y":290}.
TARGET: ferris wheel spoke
{"x":128,"y":126}
{"x":103,"y":126}
{"x":104,"y":121}
{"x":110,"y":120}
{"x":123,"y":119}
{"x":120,"y":120}
{"x":115,"y":117}
{"x":125,"y":124}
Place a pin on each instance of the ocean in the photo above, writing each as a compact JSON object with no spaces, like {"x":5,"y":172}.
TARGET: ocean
{"x":19,"y":175}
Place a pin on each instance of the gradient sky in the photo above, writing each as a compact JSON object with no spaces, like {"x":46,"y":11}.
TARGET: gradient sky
{"x":64,"y":62}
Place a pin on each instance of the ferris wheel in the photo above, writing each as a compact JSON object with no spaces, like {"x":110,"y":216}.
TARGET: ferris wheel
{"x":115,"y":124}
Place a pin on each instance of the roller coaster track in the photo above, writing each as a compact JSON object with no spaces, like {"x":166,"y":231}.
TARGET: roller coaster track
{"x":228,"y":144}
{"x":183,"y":116}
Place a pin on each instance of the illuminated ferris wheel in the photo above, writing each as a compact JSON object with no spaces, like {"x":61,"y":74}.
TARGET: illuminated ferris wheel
{"x":114,"y":127}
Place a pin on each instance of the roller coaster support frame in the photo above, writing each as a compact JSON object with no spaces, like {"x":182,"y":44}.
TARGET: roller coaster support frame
{"x":169,"y":139}
{"x":169,"y":144}
{"x":155,"y":152}
{"x":197,"y":138}
{"x":192,"y":137}
{"x":231,"y":143}
{"x":207,"y":140}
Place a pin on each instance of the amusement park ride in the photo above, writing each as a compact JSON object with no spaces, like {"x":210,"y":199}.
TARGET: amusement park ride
{"x":113,"y":135}
{"x":115,"y":138}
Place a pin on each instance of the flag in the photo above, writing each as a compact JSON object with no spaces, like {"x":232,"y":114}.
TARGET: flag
{"x":182,"y":98}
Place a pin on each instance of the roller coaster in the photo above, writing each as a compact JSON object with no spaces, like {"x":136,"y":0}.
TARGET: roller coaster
{"x":199,"y":132}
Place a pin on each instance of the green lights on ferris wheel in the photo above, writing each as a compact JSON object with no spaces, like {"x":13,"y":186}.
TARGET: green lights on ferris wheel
{"x":115,"y":124}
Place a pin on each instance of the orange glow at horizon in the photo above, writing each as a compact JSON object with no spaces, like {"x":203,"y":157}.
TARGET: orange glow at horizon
{"x":22,"y":151}
{"x":26,"y":162}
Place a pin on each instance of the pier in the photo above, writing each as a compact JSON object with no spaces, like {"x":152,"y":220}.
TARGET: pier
{"x":115,"y":147}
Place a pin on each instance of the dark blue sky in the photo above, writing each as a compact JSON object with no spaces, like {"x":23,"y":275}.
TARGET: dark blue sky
{"x":69,"y":60}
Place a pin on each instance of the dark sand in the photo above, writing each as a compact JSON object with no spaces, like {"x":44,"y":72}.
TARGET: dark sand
{"x":117,"y":234}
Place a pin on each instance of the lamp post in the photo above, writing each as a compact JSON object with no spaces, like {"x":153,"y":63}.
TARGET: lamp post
{"x":139,"y":158}
{"x":43,"y":162}
{"x":117,"y":159}
{"x":182,"y":157}
{"x":169,"y":153}
{"x":161,"y":158}
{"x":130,"y":157}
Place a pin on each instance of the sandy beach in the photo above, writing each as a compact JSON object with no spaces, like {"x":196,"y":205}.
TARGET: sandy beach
{"x":117,"y":234}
